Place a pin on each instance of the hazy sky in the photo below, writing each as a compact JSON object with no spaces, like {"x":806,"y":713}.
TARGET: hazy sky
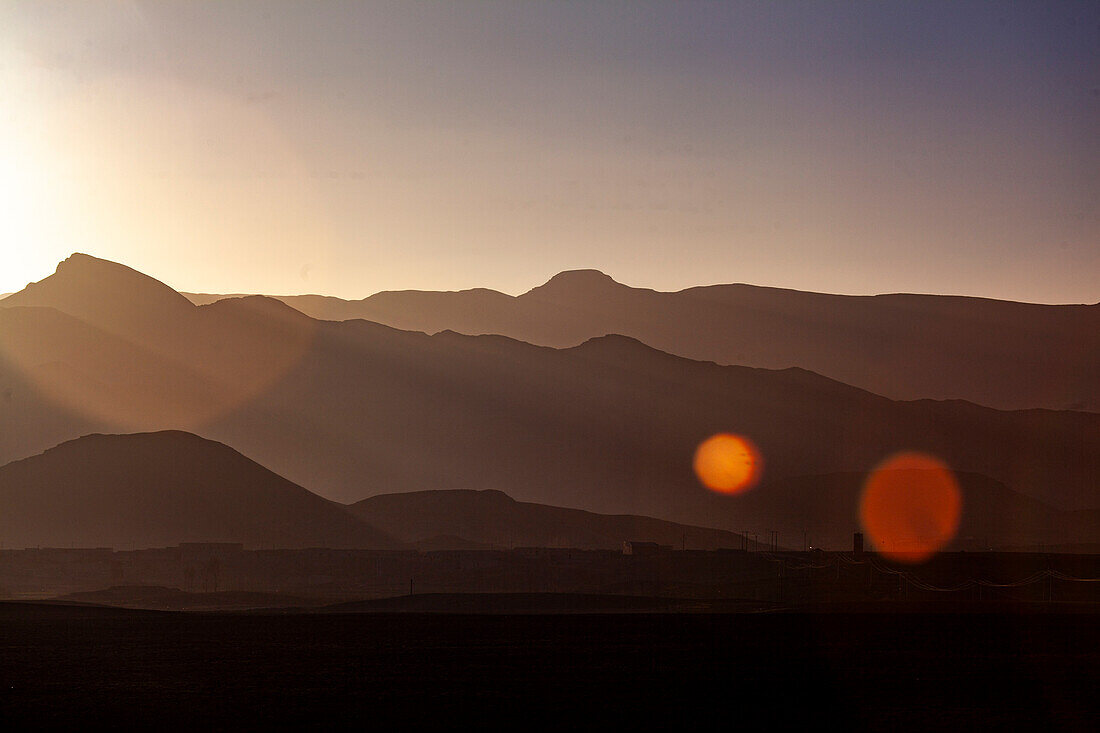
{"x":345,"y":148}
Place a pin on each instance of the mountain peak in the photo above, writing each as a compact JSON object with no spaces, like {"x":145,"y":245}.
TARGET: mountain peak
{"x":81,"y":260}
{"x":578,"y":282}
{"x":104,"y":293}
{"x":82,"y":271}
{"x":257,"y":305}
{"x":138,"y":446}
{"x":80,"y":265}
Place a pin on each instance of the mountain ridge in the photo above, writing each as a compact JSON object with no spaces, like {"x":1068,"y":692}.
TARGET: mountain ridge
{"x":1000,"y":353}
{"x":492,"y":518}
{"x":600,"y":275}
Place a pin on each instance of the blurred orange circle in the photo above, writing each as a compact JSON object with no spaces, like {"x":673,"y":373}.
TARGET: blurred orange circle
{"x":728,"y":463}
{"x":910,"y":507}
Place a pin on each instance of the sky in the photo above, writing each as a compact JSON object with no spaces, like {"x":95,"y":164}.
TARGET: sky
{"x":347,"y":148}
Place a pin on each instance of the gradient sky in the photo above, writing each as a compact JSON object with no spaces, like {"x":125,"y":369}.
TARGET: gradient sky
{"x":346,"y":148}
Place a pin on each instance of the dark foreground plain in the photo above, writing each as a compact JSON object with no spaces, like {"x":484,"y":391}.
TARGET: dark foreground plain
{"x":1033,"y":667}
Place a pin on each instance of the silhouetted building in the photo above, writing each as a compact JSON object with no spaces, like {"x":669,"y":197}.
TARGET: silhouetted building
{"x":857,"y":546}
{"x":640,"y":548}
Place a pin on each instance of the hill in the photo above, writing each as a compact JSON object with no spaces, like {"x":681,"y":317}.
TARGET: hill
{"x":818,"y":511}
{"x":492,"y":518}
{"x":158,"y":598}
{"x":160,"y":489}
{"x":1001,"y":354}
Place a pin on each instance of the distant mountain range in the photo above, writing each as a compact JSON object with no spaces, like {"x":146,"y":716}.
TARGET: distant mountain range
{"x":160,"y":489}
{"x":353,"y":409}
{"x":1001,"y":354}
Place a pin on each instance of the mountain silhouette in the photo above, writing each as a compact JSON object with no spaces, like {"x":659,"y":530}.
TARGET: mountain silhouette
{"x":1001,"y":354}
{"x":354,"y":408}
{"x":104,"y":292}
{"x":819,"y":510}
{"x":208,"y":359}
{"x":492,"y":518}
{"x":160,"y":489}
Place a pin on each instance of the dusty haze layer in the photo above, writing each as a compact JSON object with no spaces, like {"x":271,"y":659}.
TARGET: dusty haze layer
{"x":352,"y":409}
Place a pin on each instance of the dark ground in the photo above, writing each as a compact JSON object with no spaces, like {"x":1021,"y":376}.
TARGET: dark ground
{"x":72,"y":667}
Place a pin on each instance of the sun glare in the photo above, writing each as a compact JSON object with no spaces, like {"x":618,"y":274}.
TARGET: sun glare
{"x":910,"y":507}
{"x":727,"y":463}
{"x":19,"y":210}
{"x":32,"y":199}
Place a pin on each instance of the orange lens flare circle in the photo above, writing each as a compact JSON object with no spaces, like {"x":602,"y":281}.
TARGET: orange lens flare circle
{"x":910,"y":507}
{"x":728,"y":463}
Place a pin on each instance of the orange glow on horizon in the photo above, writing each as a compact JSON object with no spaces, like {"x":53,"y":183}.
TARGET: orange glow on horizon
{"x":910,"y":507}
{"x":728,"y":464}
